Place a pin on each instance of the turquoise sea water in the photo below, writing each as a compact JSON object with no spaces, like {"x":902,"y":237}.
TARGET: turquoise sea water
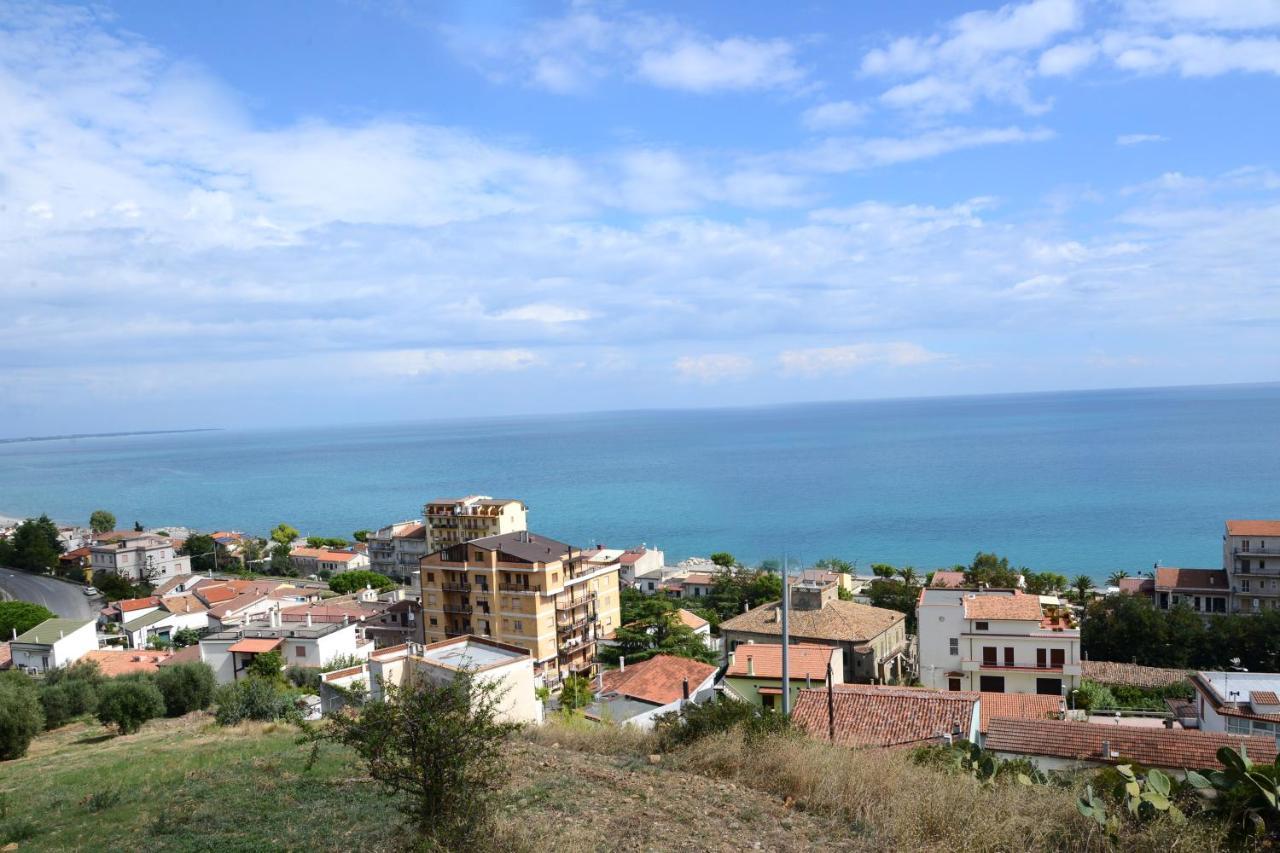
{"x":1073,"y":482}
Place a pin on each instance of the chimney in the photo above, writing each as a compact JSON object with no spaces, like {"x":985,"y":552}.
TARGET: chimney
{"x":344,"y":620}
{"x":622,"y":663}
{"x":751,"y":666}
{"x":61,"y":635}
{"x":308,"y":618}
{"x":1106,"y":749}
{"x":684,"y":689}
{"x":955,"y":728}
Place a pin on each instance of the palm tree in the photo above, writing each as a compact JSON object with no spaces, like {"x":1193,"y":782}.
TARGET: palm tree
{"x":1115,"y":577}
{"x":1083,"y":585}
{"x":908,"y":575}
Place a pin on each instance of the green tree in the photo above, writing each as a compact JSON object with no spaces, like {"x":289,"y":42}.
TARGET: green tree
{"x":255,"y":698}
{"x":883,"y":570}
{"x":660,"y":631}
{"x":325,"y":542}
{"x":137,"y":527}
{"x":202,"y":549}
{"x":1115,"y":577}
{"x":21,"y":717}
{"x":283,"y":534}
{"x":281,"y":563}
{"x":101,"y":521}
{"x":909,"y":576}
{"x":186,"y":687}
{"x":127,"y":703}
{"x":21,"y":616}
{"x":114,"y":587}
{"x":724,"y":559}
{"x":1082,"y":586}
{"x":34,"y":545}
{"x":361,"y":535}
{"x":575,"y":693}
{"x":67,"y":699}
{"x":348,"y":582}
{"x":834,"y":564}
{"x":895,"y":594}
{"x":991,"y":570}
{"x":184,"y":637}
{"x":439,"y":748}
{"x":267,"y":665}
{"x":1045,"y":583}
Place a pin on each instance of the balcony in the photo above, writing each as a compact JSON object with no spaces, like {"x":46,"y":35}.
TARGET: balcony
{"x":565,"y":604}
{"x":520,"y":588}
{"x":569,"y":625}
{"x":458,"y":608}
{"x":1271,"y":551}
{"x":1066,"y":669}
{"x":456,"y":587}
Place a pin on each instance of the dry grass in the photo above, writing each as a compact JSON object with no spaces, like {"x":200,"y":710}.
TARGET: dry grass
{"x":581,"y":735}
{"x":885,"y":799}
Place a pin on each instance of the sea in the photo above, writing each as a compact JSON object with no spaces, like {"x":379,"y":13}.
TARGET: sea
{"x":1073,"y":482}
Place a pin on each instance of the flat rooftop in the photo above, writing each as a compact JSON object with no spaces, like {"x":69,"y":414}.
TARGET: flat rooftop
{"x":470,"y":653}
{"x":1241,"y":683}
{"x":296,"y":630}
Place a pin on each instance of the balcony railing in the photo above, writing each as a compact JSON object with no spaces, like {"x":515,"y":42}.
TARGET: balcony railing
{"x":515,"y":587}
{"x":456,"y":587}
{"x":567,"y":625}
{"x":1269,"y":551}
{"x":458,"y":608}
{"x":979,"y":663}
{"x":566,"y":604}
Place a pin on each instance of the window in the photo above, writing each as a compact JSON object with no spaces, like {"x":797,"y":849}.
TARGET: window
{"x":953,"y":684}
{"x":991,"y":684}
{"x":1244,"y":584}
{"x":433,"y":621}
{"x":300,"y":651}
{"x":955,"y":645}
{"x":1042,"y":658}
{"x":1058,"y":658}
{"x":1237,"y":726}
{"x":431,"y":577}
{"x":1008,"y":656}
{"x":519,"y":627}
{"x":480,"y":579}
{"x":988,"y":655}
{"x":980,"y":626}
{"x":1049,"y":686}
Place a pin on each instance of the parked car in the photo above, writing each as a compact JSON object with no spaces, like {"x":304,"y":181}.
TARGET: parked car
{"x":90,"y":590}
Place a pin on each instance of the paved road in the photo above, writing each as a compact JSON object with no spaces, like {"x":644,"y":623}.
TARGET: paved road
{"x":64,"y":599}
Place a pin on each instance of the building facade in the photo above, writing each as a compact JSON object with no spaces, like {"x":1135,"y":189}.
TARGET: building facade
{"x":53,"y":643}
{"x":396,"y":550}
{"x":1251,"y":558}
{"x":139,"y":557}
{"x":997,"y":641}
{"x":451,"y":521}
{"x":524,"y":590}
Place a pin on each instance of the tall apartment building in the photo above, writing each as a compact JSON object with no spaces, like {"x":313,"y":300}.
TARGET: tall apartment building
{"x":1251,"y":558}
{"x":450,"y":521}
{"x":396,"y":550}
{"x":137,"y":556}
{"x":997,"y":641}
{"x":523,"y":590}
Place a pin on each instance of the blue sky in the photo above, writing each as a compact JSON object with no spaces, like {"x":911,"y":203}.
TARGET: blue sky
{"x":294,"y":213}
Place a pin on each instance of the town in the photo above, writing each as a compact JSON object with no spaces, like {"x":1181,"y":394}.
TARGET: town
{"x":985,"y":654}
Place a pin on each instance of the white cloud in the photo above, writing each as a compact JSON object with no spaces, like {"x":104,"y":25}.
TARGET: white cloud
{"x":541,"y":313}
{"x":425,"y":362}
{"x":734,"y":63}
{"x":833,"y":114}
{"x":847,"y":358}
{"x":1063,"y":60}
{"x":1192,"y":54}
{"x":1139,"y":138}
{"x":714,"y":367}
{"x":1211,"y":14}
{"x":852,"y":154}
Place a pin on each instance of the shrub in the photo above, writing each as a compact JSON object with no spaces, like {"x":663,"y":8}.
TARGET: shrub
{"x":1091,"y":696}
{"x":695,"y":722}
{"x":185,"y":637}
{"x":21,"y":616}
{"x":254,"y":698}
{"x":21,"y":717}
{"x":267,"y":665}
{"x":304,"y":677}
{"x":348,"y":582}
{"x":186,"y":687}
{"x":66,"y":700}
{"x":127,"y":703}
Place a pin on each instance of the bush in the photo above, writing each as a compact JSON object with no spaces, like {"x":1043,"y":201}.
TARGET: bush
{"x":186,"y":687}
{"x":21,"y":717}
{"x":20,"y":616}
{"x":255,"y":698}
{"x":127,"y":703}
{"x":267,"y":665}
{"x":1091,"y":696}
{"x":679,"y":728}
{"x":67,"y":699}
{"x":348,"y":582}
{"x":305,"y":677}
{"x":185,"y":637}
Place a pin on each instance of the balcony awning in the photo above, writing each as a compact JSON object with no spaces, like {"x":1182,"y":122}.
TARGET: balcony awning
{"x":255,"y":646}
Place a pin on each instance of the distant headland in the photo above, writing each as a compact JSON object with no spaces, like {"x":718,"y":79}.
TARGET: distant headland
{"x":106,"y":434}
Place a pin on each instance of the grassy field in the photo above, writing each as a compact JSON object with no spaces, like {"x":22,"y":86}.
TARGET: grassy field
{"x":188,"y":785}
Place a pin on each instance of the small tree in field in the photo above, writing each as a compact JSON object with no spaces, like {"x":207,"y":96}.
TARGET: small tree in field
{"x":127,"y":703}
{"x":267,"y":665}
{"x":575,"y":693}
{"x":438,"y":747}
{"x":21,"y":717}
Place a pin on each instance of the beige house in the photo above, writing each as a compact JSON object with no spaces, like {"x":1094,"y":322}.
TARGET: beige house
{"x":527,"y":591}
{"x":138,"y":556}
{"x":396,"y":549}
{"x":312,"y":561}
{"x":872,"y":640}
{"x":1251,"y":558}
{"x":450,"y":521}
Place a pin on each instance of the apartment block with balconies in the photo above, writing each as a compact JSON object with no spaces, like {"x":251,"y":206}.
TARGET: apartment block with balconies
{"x":450,"y":521}
{"x":997,"y":641}
{"x":1251,"y":559}
{"x":525,"y":590}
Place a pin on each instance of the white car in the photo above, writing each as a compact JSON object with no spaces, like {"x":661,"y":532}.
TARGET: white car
{"x":89,"y":590}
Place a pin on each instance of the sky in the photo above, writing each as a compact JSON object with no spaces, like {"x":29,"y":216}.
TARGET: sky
{"x":273,"y":214}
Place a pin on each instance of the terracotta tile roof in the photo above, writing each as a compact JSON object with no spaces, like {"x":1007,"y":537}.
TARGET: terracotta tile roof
{"x":184,"y":603}
{"x":1002,"y":605}
{"x":1017,"y":706}
{"x":1263,"y":697}
{"x":868,"y":715}
{"x":691,"y":620}
{"x":697,"y":579}
{"x":216,"y":594}
{"x":76,"y":553}
{"x":806,"y":660}
{"x":951,"y":580}
{"x":1171,"y":748}
{"x":235,"y":605}
{"x":170,"y":584}
{"x":324,"y":554}
{"x":630,"y":557}
{"x":1137,"y":585}
{"x":418,"y":531}
{"x":353,"y":611}
{"x":658,"y":680}
{"x":113,"y":662}
{"x":1171,"y":578}
{"x":1130,"y":674}
{"x":835,"y":620}
{"x":255,"y":646}
{"x":189,"y":654}
{"x":128,"y":605}
{"x":1238,"y":527}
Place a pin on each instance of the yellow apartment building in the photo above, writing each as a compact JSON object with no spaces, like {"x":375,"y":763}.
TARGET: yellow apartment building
{"x":450,"y":521}
{"x":525,"y":590}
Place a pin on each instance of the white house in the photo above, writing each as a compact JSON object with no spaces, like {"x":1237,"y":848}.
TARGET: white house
{"x":231,"y":651}
{"x":54,"y":643}
{"x":509,"y":667}
{"x":997,"y":641}
{"x":1240,"y":703}
{"x":138,"y":557}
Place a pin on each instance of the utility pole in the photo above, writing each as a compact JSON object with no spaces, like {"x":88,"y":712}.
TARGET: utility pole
{"x":786,"y":638}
